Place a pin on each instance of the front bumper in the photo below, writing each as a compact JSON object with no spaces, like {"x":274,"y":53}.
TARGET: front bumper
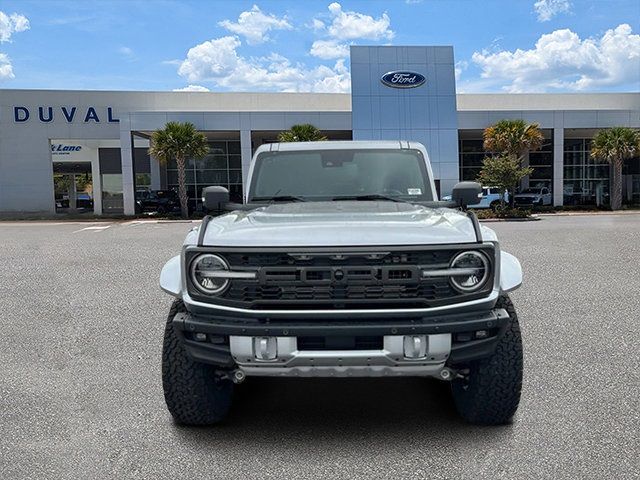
{"x":449,"y":339}
{"x":526,"y":201}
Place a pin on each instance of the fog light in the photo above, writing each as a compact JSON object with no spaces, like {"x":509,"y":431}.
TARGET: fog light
{"x":482,"y":334}
{"x":415,"y":346}
{"x":464,"y":337}
{"x":265,"y":348}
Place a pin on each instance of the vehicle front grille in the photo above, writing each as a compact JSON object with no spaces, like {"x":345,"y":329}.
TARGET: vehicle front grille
{"x":417,"y":295}
{"x":371,"y":278}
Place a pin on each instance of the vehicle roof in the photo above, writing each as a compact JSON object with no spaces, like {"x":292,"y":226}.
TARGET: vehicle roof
{"x":339,"y":145}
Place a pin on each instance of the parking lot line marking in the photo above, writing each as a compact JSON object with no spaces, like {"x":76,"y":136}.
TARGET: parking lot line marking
{"x":95,"y":229}
{"x":135,"y":223}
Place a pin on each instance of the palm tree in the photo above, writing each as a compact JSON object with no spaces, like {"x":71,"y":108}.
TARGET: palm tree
{"x":301,"y":133}
{"x":513,"y":139}
{"x":615,"y":145}
{"x":179,"y":141}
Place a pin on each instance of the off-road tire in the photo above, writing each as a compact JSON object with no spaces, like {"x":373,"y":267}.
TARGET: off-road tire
{"x":194,"y":392}
{"x":491,"y":393}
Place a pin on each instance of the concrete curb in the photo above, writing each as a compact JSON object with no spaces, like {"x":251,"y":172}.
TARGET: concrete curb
{"x":492,"y":220}
{"x":576,"y":214}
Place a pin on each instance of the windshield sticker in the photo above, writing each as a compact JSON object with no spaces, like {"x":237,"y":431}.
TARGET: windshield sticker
{"x":414,"y":191}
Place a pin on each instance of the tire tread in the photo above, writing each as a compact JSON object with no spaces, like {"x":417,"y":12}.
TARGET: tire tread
{"x":193,"y":392}
{"x":491,"y":394}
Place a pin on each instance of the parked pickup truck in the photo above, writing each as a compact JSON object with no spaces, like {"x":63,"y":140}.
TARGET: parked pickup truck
{"x":341,"y":262}
{"x":538,"y":196}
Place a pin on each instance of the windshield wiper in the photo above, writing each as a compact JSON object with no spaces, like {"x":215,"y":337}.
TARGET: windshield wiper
{"x":279,"y":198}
{"x":371,"y":196}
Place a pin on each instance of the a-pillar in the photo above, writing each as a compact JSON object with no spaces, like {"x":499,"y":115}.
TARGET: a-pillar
{"x":246,"y":153}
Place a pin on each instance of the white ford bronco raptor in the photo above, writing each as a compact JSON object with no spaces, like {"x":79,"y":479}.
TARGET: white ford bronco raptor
{"x":341,"y":262}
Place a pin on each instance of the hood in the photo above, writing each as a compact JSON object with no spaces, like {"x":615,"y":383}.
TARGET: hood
{"x":348,"y":223}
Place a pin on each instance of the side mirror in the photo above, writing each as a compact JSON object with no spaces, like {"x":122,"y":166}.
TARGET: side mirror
{"x":466,"y":193}
{"x":215,"y":198}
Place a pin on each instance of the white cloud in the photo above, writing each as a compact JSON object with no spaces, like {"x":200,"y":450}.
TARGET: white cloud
{"x":347,"y":26}
{"x":10,"y":24}
{"x":192,"y":88}
{"x":218,"y":61}
{"x":254,"y":25}
{"x":317,"y":25}
{"x":547,"y":9}
{"x":460,"y":67}
{"x":563,"y":61}
{"x":127,"y":53}
{"x":211,"y":59}
{"x":353,"y":25}
{"x":329,"y":49}
{"x":6,"y":69}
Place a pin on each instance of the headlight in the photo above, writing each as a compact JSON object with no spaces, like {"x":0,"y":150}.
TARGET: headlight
{"x":474,"y":271}
{"x":205,"y":273}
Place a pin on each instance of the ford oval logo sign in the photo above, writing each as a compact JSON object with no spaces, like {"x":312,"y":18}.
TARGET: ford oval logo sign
{"x":402,"y":79}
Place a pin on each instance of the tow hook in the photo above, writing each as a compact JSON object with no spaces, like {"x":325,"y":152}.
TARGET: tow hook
{"x":238,"y":376}
{"x":449,"y":374}
{"x":446,"y":374}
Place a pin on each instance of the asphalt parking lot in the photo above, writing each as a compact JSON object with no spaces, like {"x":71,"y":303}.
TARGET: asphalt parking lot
{"x":81,"y":393}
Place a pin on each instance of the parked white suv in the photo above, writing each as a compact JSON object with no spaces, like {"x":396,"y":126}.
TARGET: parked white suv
{"x":491,"y":198}
{"x":342,"y":263}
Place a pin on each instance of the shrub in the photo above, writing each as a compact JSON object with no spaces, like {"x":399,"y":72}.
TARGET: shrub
{"x":506,"y":212}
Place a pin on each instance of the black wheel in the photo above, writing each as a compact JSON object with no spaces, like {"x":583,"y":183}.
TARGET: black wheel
{"x":194,"y":392}
{"x":491,"y":393}
{"x":495,"y":205}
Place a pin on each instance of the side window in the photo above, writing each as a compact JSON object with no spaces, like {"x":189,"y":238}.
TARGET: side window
{"x":545,"y":191}
{"x":485,"y":192}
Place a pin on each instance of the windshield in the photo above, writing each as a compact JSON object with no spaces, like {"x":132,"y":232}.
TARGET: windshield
{"x":328,"y":174}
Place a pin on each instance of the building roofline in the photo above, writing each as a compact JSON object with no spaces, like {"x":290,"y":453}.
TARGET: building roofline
{"x":548,"y":101}
{"x":341,"y":102}
{"x":173,"y":92}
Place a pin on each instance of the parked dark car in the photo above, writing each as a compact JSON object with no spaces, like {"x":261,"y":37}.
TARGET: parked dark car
{"x":84,"y":201}
{"x":160,"y":201}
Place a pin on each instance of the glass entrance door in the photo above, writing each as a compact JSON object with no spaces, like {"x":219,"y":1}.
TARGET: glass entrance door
{"x":73,"y":187}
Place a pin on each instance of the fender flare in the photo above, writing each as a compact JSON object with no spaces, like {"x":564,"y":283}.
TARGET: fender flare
{"x":510,"y":272}
{"x":171,"y":277}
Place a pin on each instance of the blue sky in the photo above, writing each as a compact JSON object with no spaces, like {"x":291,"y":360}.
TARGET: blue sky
{"x":302,"y":45}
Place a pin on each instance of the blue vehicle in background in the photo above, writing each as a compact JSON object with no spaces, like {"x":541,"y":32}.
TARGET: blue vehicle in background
{"x":491,"y":197}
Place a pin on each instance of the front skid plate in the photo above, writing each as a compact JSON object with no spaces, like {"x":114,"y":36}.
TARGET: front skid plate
{"x":284,"y":358}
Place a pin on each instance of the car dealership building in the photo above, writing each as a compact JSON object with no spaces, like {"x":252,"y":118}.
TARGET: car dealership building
{"x":87,"y":150}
